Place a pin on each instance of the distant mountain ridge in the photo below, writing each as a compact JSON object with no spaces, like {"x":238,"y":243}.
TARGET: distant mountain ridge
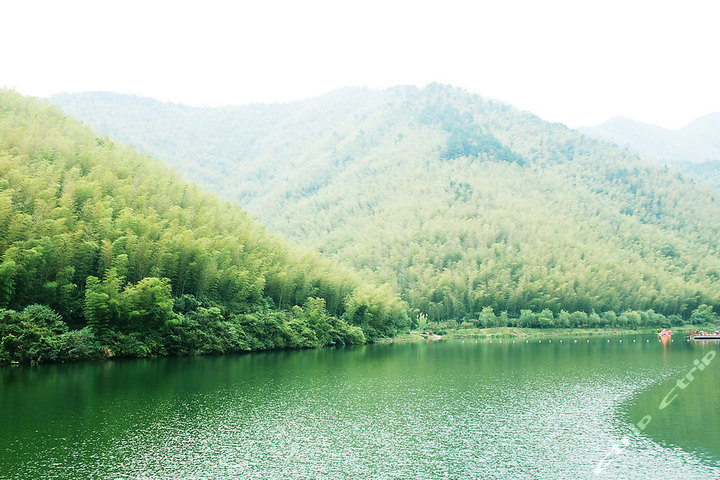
{"x":460,"y":202}
{"x":697,"y":142}
{"x":693,"y":149}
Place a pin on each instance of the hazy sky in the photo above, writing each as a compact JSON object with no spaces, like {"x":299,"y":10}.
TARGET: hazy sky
{"x":578,"y":62}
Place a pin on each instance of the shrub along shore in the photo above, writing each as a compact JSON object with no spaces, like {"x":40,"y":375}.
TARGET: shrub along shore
{"x":37,"y":334}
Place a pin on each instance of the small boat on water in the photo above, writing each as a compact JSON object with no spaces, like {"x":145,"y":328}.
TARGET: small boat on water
{"x":664,"y":333}
{"x":709,"y":336}
{"x":431,"y":336}
{"x":706,"y":335}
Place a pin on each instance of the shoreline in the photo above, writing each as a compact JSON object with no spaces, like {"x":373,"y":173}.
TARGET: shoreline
{"x":416,"y":336}
{"x":516,"y":332}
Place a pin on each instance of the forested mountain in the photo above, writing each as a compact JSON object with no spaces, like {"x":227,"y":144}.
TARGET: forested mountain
{"x":462,"y":203}
{"x":96,"y":235}
{"x":693,"y":149}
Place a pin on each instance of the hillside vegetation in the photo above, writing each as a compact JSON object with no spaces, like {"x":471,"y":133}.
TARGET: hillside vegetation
{"x":104,"y":251}
{"x":464,"y":205}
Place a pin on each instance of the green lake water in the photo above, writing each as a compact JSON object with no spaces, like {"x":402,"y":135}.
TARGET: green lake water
{"x":448,"y":409}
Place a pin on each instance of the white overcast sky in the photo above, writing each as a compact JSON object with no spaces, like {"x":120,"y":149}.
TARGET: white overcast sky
{"x":578,"y":62}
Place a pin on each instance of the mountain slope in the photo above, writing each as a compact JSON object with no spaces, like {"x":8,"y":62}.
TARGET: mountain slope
{"x":111,"y":239}
{"x":460,"y":202}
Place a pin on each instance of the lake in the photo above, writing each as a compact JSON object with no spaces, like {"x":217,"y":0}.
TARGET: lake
{"x":448,"y":409}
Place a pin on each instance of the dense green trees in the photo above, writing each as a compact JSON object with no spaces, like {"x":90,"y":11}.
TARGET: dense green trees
{"x":144,"y":307}
{"x":457,"y":202}
{"x":626,"y":320}
{"x":114,"y":245}
{"x":38,"y":334}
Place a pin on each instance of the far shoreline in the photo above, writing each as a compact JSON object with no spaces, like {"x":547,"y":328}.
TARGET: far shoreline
{"x":527,"y":333}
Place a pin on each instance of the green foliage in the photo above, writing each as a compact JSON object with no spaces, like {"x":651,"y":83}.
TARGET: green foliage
{"x":208,"y":331}
{"x":421,"y":321}
{"x":133,"y":345}
{"x":545,"y":319}
{"x":79,"y":345}
{"x":627,"y":320}
{"x":38,"y":334}
{"x":7,"y":282}
{"x":487,"y":318}
{"x":369,"y":309}
{"x":312,"y":320}
{"x":457,"y":202}
{"x":147,"y":305}
{"x":102,"y":302}
{"x":466,"y":138}
{"x":703,"y":314}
